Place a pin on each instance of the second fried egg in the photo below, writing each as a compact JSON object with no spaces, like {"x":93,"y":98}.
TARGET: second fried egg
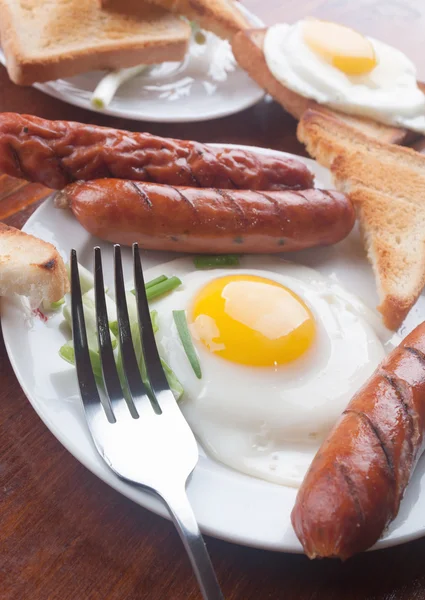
{"x":344,"y":70}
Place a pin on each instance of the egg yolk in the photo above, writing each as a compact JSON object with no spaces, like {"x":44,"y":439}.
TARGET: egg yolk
{"x":252,"y":321}
{"x":344,"y":48}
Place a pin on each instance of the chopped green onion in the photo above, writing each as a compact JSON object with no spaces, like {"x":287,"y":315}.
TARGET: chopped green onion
{"x":54,"y":305}
{"x":186,"y":340}
{"x":163,"y":288}
{"x":155,"y":281}
{"x":67,"y":353}
{"x":155,"y":288}
{"x":122,"y":378}
{"x":210,"y":262}
{"x":89,"y":302}
{"x":133,"y":315}
{"x":108,"y":85}
{"x":57,"y":304}
{"x":137,"y":345}
{"x":154,"y":319}
{"x":113,"y":326}
{"x":132,"y":310}
{"x":90,"y":321}
{"x":159,"y":286}
{"x":198,"y":35}
{"x":175,"y":385}
{"x":86,"y":278}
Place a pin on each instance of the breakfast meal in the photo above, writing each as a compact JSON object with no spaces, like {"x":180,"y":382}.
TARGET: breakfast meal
{"x":44,"y":40}
{"x":386,"y":183}
{"x":56,"y":153}
{"x":30,"y":267}
{"x":320,"y":394}
{"x":357,"y":479}
{"x":184,"y":219}
{"x":330,"y":67}
{"x":222,"y":17}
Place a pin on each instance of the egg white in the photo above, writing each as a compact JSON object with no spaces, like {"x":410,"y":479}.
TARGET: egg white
{"x":268,"y":422}
{"x":388,"y":94}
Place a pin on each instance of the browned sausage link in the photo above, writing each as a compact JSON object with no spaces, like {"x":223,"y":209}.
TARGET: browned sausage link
{"x":56,"y":153}
{"x":162,"y":217}
{"x":354,"y":486}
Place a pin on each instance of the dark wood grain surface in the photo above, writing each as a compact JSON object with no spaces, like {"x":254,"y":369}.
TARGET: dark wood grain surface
{"x":66,"y":535}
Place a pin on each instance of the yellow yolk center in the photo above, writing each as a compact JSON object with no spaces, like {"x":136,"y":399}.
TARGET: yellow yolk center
{"x":344,"y":48}
{"x":252,"y":320}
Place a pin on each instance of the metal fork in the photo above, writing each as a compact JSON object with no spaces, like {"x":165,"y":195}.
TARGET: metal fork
{"x":144,"y":442}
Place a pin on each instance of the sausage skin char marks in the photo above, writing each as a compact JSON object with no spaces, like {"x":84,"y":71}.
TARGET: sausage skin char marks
{"x":357,"y":479}
{"x":56,"y":153}
{"x":161,"y":217}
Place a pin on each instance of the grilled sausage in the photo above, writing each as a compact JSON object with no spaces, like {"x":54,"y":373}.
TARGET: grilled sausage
{"x":356,"y":481}
{"x":161,"y":217}
{"x":56,"y":153}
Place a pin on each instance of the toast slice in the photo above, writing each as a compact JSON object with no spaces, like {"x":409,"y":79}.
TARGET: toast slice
{"x":387,"y":185}
{"x":248,"y":46}
{"x":30,"y":267}
{"x":44,"y":40}
{"x":222,"y":17}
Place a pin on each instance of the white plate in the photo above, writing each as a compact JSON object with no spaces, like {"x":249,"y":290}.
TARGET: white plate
{"x":227,"y":504}
{"x":206,"y":85}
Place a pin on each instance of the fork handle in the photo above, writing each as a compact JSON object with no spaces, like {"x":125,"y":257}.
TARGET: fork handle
{"x":184,"y":519}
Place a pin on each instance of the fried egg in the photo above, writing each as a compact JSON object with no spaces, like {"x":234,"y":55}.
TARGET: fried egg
{"x":281,"y":351}
{"x":340,"y":68}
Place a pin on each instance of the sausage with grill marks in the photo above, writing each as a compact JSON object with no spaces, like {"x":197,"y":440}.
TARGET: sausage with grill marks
{"x":56,"y":153}
{"x":356,"y":481}
{"x":161,"y":217}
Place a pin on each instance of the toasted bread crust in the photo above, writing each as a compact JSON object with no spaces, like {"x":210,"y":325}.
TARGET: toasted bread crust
{"x":388,"y":262}
{"x":222,"y":17}
{"x":30,"y":267}
{"x":248,"y":50}
{"x":386,"y":183}
{"x":24,"y":71}
{"x":108,"y":40}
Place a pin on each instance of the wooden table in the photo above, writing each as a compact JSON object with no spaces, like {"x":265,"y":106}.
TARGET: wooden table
{"x":66,"y":535}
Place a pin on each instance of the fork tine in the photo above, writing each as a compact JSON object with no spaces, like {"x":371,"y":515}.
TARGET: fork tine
{"x":156,"y":375}
{"x":107,"y":359}
{"x":136,"y":387}
{"x":88,"y":388}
